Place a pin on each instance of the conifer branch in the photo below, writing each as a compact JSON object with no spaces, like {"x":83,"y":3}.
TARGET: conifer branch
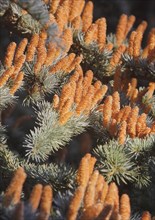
{"x":116,"y":164}
{"x":17,"y":20}
{"x":59,"y":67}
{"x":47,"y":137}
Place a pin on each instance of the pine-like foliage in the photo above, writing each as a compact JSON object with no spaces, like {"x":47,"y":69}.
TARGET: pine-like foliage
{"x":51,"y":135}
{"x":128,"y":163}
{"x":68,"y":89}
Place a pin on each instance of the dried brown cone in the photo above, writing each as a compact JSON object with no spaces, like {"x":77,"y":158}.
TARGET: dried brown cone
{"x":70,"y":100}
{"x":90,"y":34}
{"x":92,"y":162}
{"x":77,"y":23}
{"x":63,"y":119}
{"x":41,"y":52}
{"x":110,"y":199}
{"x":106,"y":213}
{"x":87,"y":16}
{"x":65,"y":93}
{"x":131,"y":88}
{"x":99,"y":94}
{"x":63,"y":64}
{"x":85,"y":104}
{"x":74,"y":63}
{"x":41,"y":57}
{"x":99,"y":186}
{"x":114,"y":61}
{"x":87,"y":80}
{"x":151,"y":89}
{"x":97,"y":85}
{"x":125,"y":209}
{"x":151,"y":56}
{"x":115,"y":104}
{"x":18,"y":64}
{"x":113,"y":128}
{"x":79,"y":69}
{"x":145,"y":52}
{"x":35,"y":197}
{"x":82,"y":106}
{"x":4,"y":78}
{"x":120,"y":115}
{"x":142,"y":27}
{"x":76,"y":9}
{"x":122,"y":133}
{"x":13,"y":191}
{"x":62,"y":15}
{"x":74,"y":77}
{"x":129,"y":25}
{"x":107,"y":111}
{"x":55,"y":101}
{"x":104,"y":192}
{"x":50,"y":56}
{"x":89,"y":97}
{"x":131,"y":123}
{"x":137,"y":44}
{"x":9,"y":56}
{"x":79,"y":90}
{"x":150,"y":36}
{"x":112,"y":193}
{"x":134,"y":96}
{"x":21,"y":48}
{"x":151,"y":40}
{"x":146,"y":216}
{"x":92,"y":212}
{"x":17,"y":83}
{"x":116,"y":204}
{"x":101,"y":32}
{"x":83,"y":171}
{"x":53,"y":6}
{"x":121,"y":28}
{"x":131,"y":43}
{"x":126,"y":113}
{"x":46,"y":203}
{"x":66,"y":107}
{"x":141,"y":124}
{"x":89,"y":198}
{"x":42,"y":38}
{"x":32,"y":47}
{"x":67,"y":39}
{"x":88,"y":156}
{"x":148,"y":51}
{"x":75,"y":203}
{"x":146,"y":131}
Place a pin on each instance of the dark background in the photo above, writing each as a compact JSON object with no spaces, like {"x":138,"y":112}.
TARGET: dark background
{"x":112,"y":9}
